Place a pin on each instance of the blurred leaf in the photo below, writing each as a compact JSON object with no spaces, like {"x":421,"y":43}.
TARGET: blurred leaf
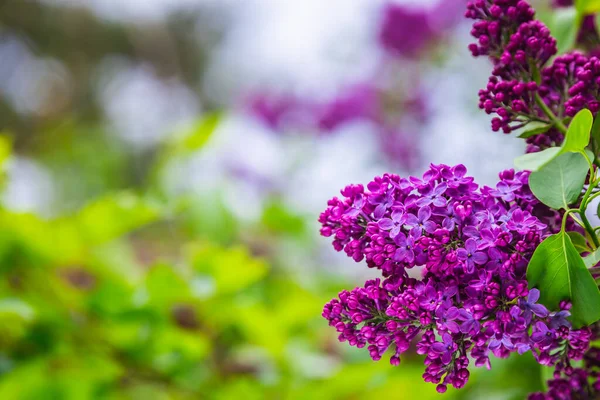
{"x":535,"y":129}
{"x":592,"y":259}
{"x":114,"y":215}
{"x":16,"y":307}
{"x":232,"y":269}
{"x":242,"y":388}
{"x":564,"y":27}
{"x":173,"y":346}
{"x":586,"y":7}
{"x":5,"y":148}
{"x":165,"y":286}
{"x":595,"y":136}
{"x":279,"y":219}
{"x":206,"y":216}
{"x":579,"y":242}
{"x":192,"y":139}
{"x":201,"y":132}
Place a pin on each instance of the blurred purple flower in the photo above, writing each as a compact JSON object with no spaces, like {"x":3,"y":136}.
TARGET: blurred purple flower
{"x":359,"y":101}
{"x":405,"y":31}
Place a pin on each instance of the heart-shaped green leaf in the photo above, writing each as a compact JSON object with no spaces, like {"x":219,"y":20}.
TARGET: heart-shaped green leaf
{"x":559,"y":272}
{"x":576,"y":140}
{"x":535,"y":161}
{"x":578,"y":134}
{"x":559,"y":183}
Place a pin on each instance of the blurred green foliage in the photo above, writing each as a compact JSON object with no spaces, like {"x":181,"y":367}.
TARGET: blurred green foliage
{"x":135,"y":295}
{"x":130,"y":292}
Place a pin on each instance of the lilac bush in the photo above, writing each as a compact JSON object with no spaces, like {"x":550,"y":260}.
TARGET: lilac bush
{"x":470,"y":271}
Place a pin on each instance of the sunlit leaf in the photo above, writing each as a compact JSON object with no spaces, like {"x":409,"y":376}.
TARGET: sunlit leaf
{"x":564,"y":28}
{"x":586,"y":7}
{"x":535,"y":161}
{"x":576,"y":140}
{"x":578,"y":134}
{"x":558,"y":271}
{"x":16,"y":307}
{"x":112,"y":216}
{"x":559,"y":183}
{"x":592,"y":259}
{"x":232,"y":269}
{"x":534,"y":129}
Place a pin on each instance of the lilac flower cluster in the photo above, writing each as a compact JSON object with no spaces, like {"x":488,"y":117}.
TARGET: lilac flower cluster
{"x":586,"y":90}
{"x":519,"y":47}
{"x":408,"y":32}
{"x":523,"y":89}
{"x":472,"y":245}
{"x":571,"y":382}
{"x":404,"y":31}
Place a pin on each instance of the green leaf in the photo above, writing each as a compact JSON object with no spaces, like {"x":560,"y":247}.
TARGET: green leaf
{"x":559,"y":272}
{"x":17,"y":307}
{"x":535,"y":161}
{"x":5,"y":148}
{"x":535,"y":129}
{"x":278,"y":218}
{"x":232,"y":269}
{"x":595,"y":135}
{"x":202,"y":132}
{"x":559,"y":183}
{"x":577,"y":138}
{"x":564,"y":27}
{"x":547,"y":374}
{"x":579,"y":242}
{"x":592,"y":259}
{"x":114,"y":215}
{"x":195,"y":138}
{"x":586,"y":7}
{"x":578,"y":134}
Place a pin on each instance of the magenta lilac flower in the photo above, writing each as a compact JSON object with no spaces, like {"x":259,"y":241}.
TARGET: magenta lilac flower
{"x":353,"y":103}
{"x":586,"y":89}
{"x":524,"y":88}
{"x":575,"y":381}
{"x":472,"y":245}
{"x":405,"y":31}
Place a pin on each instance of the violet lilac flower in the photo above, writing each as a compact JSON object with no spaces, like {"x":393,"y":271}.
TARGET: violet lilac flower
{"x":405,"y":31}
{"x":470,"y":256}
{"x":473,"y":291}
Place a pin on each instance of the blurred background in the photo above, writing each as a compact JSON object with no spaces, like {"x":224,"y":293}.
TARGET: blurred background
{"x":163,"y":166}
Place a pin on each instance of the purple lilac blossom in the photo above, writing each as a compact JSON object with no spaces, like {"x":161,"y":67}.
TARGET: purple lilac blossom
{"x":405,"y":31}
{"x":522,"y":86}
{"x":279,"y":111}
{"x":473,"y":293}
{"x":585,"y":92}
{"x":576,"y":382}
{"x":354,"y":102}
